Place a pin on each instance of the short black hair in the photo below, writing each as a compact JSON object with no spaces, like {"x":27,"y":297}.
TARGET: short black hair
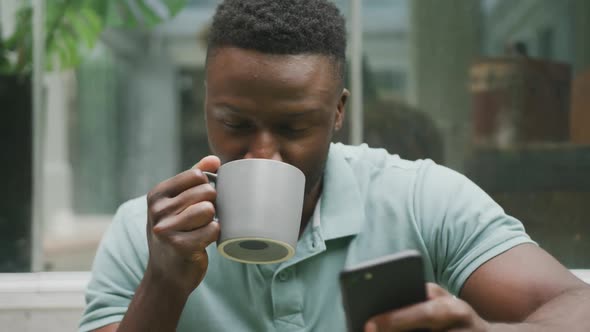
{"x":281,"y":27}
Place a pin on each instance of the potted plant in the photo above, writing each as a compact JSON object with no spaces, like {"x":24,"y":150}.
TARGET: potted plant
{"x":71,"y":27}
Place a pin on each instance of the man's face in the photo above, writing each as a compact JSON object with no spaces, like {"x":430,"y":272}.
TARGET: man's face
{"x":281,"y":107}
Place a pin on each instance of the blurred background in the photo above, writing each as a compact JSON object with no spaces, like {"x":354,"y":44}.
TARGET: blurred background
{"x":496,"y":89}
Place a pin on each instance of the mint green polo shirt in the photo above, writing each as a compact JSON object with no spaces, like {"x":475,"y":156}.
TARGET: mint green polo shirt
{"x":373,"y":204}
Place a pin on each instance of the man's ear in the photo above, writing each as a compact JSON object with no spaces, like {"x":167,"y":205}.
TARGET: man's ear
{"x":339,"y":121}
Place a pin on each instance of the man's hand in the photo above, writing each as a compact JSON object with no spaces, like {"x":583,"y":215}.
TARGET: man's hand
{"x":442,"y":312}
{"x":180,"y":227}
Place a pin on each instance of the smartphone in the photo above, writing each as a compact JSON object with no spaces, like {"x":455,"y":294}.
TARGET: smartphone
{"x":384,"y":284}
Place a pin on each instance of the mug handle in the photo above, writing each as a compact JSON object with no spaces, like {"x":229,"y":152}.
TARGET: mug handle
{"x":212,"y":177}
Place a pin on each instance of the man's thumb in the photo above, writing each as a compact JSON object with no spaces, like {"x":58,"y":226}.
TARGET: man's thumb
{"x":208,"y":164}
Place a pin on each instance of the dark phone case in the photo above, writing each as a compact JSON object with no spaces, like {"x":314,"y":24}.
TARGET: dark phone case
{"x":381,"y":285}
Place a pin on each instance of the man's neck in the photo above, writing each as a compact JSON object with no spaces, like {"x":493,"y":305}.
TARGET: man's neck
{"x":309,"y":204}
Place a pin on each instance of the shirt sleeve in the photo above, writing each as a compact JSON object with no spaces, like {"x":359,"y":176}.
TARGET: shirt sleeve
{"x":118,"y":267}
{"x":462,"y":226}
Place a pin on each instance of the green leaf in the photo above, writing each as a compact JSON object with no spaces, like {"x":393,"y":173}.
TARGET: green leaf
{"x":5,"y":66}
{"x":118,"y":16}
{"x":142,"y":13}
{"x":85,"y":35}
{"x":93,"y":20}
{"x":100,"y":7}
{"x":63,"y":52}
{"x":73,"y":51}
{"x":86,"y":25}
{"x":64,"y":55}
{"x":72,"y":26}
{"x":72,"y":30}
{"x":149,"y":16}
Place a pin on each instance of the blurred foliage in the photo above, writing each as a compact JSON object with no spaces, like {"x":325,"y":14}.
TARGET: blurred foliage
{"x":72,"y":27}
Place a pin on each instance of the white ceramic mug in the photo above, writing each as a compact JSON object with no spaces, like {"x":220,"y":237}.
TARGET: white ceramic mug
{"x":259,"y":205}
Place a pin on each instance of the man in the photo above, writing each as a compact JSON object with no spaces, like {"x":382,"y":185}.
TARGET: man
{"x":274,"y":89}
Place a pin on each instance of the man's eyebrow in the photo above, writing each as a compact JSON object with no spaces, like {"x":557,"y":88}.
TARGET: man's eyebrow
{"x":225,"y":107}
{"x":301,"y":113}
{"x":293,"y":114}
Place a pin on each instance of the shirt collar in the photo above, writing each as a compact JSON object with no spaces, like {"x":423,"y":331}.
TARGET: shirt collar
{"x":341,"y":209}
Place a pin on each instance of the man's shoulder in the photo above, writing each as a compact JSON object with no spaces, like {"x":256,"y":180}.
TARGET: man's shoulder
{"x":380,"y":160}
{"x":134,"y":207}
{"x":382,"y":170}
{"x":126,"y":236}
{"x":131,"y":215}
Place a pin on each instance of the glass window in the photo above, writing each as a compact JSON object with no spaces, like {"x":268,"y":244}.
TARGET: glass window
{"x":493,"y":89}
{"x":496,"y":89}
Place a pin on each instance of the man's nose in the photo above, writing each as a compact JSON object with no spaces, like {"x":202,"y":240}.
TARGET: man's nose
{"x":264,"y":146}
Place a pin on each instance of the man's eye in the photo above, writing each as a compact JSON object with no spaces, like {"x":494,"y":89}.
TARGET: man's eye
{"x":236,"y":125}
{"x":294,"y":129}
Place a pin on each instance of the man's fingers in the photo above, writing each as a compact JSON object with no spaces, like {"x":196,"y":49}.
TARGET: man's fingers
{"x":204,"y":192}
{"x":175,"y":185}
{"x":194,"y":242}
{"x":433,"y":290}
{"x":398,"y":320}
{"x":173,"y":206}
{"x":193,"y":217}
{"x":164,"y":208}
{"x":442,"y":313}
{"x":190,"y":178}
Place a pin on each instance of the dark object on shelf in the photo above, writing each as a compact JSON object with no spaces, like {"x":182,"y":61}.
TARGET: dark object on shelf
{"x":519,"y":100}
{"x":532,"y":168}
{"x":547,"y":187}
{"x":404,"y":130}
{"x":580,"y":114}
{"x":16,"y":169}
